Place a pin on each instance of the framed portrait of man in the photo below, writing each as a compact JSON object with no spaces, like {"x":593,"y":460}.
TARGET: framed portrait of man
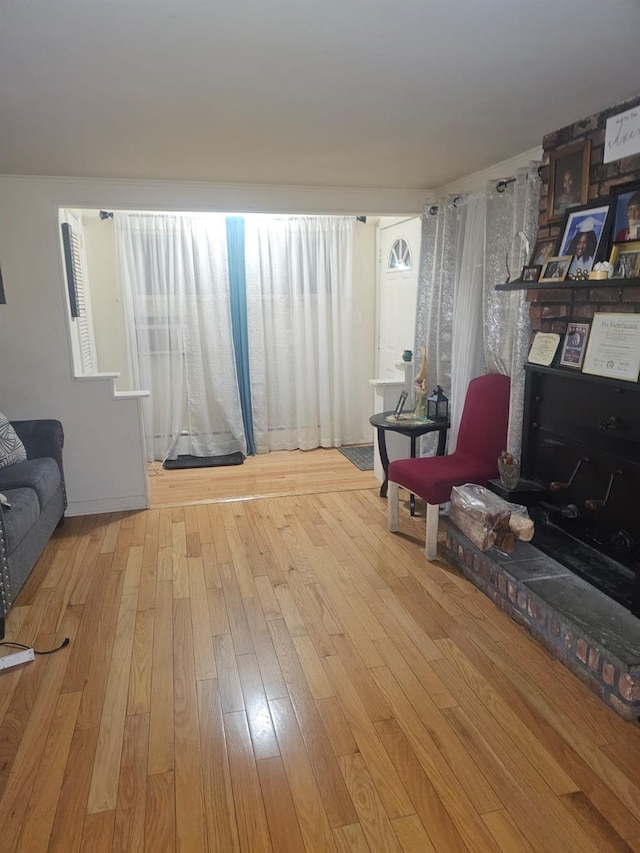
{"x":625,"y":207}
{"x":568,"y":179}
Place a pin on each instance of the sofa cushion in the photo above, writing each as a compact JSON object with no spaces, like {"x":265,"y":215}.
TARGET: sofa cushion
{"x":41,"y":475}
{"x":11,"y":448}
{"x":19,"y":520}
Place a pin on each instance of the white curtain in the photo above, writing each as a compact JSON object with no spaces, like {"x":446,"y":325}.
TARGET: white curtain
{"x":512,"y":220}
{"x":176,"y":289}
{"x":467,"y":353}
{"x":449,"y":303}
{"x":300,"y":305}
{"x":467,"y":327}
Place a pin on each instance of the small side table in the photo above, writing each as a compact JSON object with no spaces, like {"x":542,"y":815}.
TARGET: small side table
{"x":414,"y":430}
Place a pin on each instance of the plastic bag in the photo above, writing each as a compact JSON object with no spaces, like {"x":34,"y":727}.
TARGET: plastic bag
{"x":488,"y":520}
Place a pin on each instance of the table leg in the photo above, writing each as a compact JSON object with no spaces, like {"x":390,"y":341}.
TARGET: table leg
{"x":382,"y":447}
{"x":412,"y":497}
{"x":442,"y":438}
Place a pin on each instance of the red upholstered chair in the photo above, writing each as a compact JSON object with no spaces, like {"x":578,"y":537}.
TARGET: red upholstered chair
{"x":481,"y":439}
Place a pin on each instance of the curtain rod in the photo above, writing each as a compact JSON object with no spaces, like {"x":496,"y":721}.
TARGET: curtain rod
{"x":434,"y":207}
{"x":501,"y":186}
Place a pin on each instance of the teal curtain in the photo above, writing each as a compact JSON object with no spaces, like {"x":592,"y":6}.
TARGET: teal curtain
{"x":238,"y":298}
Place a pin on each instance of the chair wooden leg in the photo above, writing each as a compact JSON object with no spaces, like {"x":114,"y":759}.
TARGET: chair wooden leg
{"x":393,"y":503}
{"x":431,"y":539}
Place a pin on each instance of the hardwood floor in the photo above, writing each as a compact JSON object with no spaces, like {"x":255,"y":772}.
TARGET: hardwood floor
{"x":282,"y":674}
{"x":269,"y":475}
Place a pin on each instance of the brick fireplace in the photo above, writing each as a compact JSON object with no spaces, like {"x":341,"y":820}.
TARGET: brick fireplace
{"x":551,"y":309}
{"x":591,"y":632}
{"x":592,"y":635}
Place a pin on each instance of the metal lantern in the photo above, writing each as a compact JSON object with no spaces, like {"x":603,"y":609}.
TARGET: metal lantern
{"x":437,"y":406}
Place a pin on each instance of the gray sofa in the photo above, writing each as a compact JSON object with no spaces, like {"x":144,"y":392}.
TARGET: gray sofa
{"x":35,"y":489}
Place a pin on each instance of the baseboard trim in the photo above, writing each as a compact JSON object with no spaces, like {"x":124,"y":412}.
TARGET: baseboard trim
{"x":100,"y":505}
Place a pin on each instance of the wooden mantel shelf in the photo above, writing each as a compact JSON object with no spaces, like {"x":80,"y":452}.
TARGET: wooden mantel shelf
{"x":582,"y":284}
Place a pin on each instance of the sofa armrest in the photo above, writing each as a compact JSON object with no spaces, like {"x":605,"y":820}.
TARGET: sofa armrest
{"x":44,"y":437}
{"x":6,"y":596}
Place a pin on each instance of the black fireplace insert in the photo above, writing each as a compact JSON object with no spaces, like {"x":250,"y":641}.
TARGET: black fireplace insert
{"x":581,"y":444}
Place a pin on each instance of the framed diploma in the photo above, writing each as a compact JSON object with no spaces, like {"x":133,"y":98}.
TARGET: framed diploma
{"x":614,"y":347}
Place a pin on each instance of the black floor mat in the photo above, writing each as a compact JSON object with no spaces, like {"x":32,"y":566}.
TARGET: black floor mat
{"x":203,"y":461}
{"x":361,"y":456}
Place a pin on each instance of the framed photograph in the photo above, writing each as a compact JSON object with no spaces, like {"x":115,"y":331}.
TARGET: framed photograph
{"x":625,"y":213}
{"x":568,"y":179}
{"x":581,"y":235}
{"x":575,"y":345}
{"x":556,"y":268}
{"x":625,"y":259}
{"x":614,"y":347}
{"x":531,"y":272}
{"x":542,"y":251}
{"x":400,"y":404}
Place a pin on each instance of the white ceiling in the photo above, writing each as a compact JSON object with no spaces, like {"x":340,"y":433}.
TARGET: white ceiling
{"x":360,"y":93}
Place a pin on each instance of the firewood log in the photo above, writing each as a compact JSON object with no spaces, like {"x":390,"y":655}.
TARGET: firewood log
{"x":477,"y":531}
{"x":522,"y":527}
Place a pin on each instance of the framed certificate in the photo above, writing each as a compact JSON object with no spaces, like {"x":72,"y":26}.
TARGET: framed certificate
{"x":544,"y":348}
{"x":614,"y":347}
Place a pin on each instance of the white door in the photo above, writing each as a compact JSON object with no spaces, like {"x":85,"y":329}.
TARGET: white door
{"x":398,"y":286}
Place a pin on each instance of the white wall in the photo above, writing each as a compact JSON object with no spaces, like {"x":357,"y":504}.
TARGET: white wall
{"x":364,"y":309}
{"x":104,"y":446}
{"x":478,"y":180}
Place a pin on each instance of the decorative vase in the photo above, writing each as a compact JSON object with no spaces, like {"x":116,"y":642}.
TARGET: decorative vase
{"x":509,"y":473}
{"x":407,"y":355}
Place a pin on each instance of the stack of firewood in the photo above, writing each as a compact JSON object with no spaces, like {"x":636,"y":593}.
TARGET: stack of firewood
{"x":488,"y":520}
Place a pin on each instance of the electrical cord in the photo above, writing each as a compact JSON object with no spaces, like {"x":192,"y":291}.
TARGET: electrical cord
{"x":62,"y":645}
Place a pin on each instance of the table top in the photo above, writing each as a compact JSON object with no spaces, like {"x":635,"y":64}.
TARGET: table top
{"x":380,"y":421}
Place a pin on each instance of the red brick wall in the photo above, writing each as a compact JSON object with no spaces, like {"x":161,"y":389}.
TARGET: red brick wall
{"x":552,"y":309}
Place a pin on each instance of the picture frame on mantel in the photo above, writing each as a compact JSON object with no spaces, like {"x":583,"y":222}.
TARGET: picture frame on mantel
{"x":575,"y":345}
{"x":542,"y":251}
{"x":625,"y":213}
{"x":625,"y":260}
{"x":531,"y":272}
{"x":582,"y":234}
{"x":568,"y":179}
{"x":555,"y":269}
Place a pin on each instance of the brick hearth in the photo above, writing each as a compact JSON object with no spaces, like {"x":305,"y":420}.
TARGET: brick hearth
{"x":592,"y":635}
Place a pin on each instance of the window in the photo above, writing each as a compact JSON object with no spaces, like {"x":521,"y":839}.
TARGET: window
{"x":400,"y":255}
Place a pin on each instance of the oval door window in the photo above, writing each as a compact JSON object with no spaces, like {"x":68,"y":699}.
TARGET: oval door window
{"x":400,"y":255}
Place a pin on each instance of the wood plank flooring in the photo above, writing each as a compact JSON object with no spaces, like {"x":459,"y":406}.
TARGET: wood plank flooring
{"x":282,"y":674}
{"x":269,"y":475}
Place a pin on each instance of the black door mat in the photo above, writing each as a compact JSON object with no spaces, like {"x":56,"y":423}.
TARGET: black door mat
{"x":362,"y":456}
{"x":203,"y":461}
